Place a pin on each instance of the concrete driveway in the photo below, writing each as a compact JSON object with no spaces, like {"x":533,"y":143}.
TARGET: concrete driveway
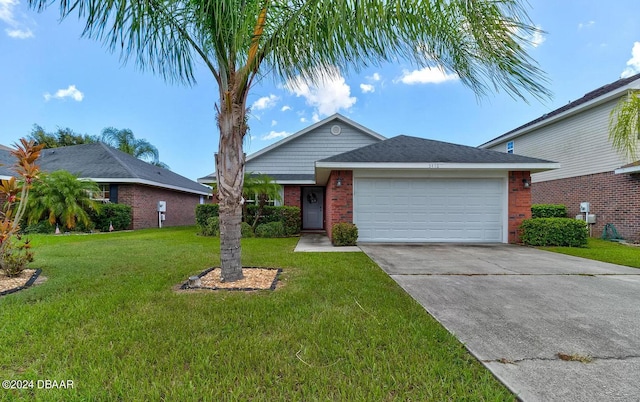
{"x":523,"y":312}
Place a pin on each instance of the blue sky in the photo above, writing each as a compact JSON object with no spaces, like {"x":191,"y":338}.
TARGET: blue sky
{"x":52,"y":77}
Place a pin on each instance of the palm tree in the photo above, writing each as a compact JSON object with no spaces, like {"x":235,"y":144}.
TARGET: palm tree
{"x":262,"y":188}
{"x":125,"y":141}
{"x":61,"y":198}
{"x":624,"y":126}
{"x":240,"y":41}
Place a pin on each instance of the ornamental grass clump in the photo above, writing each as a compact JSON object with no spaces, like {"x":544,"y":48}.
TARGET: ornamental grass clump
{"x":15,"y":252}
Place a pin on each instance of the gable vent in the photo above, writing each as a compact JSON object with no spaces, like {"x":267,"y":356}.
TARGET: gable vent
{"x":336,"y":129}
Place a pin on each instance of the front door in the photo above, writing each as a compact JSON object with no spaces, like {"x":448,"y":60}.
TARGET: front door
{"x":312,"y":208}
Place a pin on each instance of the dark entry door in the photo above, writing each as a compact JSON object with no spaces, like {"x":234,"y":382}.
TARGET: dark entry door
{"x":312,"y":207}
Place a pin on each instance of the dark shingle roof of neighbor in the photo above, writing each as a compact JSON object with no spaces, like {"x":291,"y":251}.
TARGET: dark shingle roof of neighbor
{"x":406,"y":149}
{"x":100,"y":161}
{"x":586,"y":98}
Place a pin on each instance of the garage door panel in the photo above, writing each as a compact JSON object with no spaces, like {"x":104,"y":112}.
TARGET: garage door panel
{"x":422,"y":210}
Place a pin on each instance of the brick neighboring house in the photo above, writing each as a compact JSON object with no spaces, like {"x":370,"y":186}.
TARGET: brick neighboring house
{"x":124,"y":179}
{"x":591,"y":170}
{"x":402,"y":189}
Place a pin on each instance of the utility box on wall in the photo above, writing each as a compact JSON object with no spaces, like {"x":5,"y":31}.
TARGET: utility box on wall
{"x":584,"y":207}
{"x":162,"y":206}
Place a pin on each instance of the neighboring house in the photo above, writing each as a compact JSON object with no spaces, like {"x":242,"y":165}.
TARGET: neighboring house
{"x":403,"y":189}
{"x":577,"y":136}
{"x":124,"y":179}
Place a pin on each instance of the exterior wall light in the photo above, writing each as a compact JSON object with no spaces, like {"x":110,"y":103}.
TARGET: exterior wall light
{"x":339,"y":182}
{"x":526,"y":183}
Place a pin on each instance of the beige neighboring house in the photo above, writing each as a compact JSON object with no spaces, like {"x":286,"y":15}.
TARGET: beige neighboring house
{"x":577,"y":136}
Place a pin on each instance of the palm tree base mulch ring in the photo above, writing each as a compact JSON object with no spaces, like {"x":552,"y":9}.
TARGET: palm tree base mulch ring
{"x":25,"y":279}
{"x":255,"y":278}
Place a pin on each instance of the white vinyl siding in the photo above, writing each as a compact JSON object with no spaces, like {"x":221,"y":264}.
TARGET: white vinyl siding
{"x":580,"y":143}
{"x":430,"y":209}
{"x":299,"y":155}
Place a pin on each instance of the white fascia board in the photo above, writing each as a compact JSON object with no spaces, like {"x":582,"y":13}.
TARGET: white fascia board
{"x":295,"y":182}
{"x":534,"y":167}
{"x":627,"y":170}
{"x":146,"y":182}
{"x":617,"y":93}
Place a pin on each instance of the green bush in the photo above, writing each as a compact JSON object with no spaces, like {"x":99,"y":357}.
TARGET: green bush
{"x":289,"y":217}
{"x":246,"y":230}
{"x":271,"y":229}
{"x":41,"y":227}
{"x":211,"y":228}
{"x":564,"y":232}
{"x":204,"y":212}
{"x":344,"y":234}
{"x":548,"y":211}
{"x":118,"y":215}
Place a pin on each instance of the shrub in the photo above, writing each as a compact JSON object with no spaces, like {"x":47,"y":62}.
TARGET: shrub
{"x":43,"y":227}
{"x":211,"y":228}
{"x":118,"y":215}
{"x":564,"y":232}
{"x":548,"y":211}
{"x":271,"y":229}
{"x":15,"y":256}
{"x":204,"y":212}
{"x":288,"y":216}
{"x":246,"y":230}
{"x":344,"y":234}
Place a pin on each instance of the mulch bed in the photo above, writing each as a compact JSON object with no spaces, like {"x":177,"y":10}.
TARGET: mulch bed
{"x":23,"y":281}
{"x":255,"y":278}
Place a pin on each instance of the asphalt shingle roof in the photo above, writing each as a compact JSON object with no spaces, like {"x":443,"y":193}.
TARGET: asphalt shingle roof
{"x":406,"y":149}
{"x":100,"y":161}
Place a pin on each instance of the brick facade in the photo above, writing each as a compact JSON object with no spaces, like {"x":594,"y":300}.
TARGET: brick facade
{"x":338,"y":200}
{"x":614,"y":198}
{"x":519,"y":203}
{"x":292,"y":196}
{"x":181,"y":207}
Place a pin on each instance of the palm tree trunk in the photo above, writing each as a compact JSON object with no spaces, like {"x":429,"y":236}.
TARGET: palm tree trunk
{"x":230,"y":179}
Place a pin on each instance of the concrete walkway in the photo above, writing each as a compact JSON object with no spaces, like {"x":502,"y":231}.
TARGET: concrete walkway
{"x":551,"y":327}
{"x":320,"y":243}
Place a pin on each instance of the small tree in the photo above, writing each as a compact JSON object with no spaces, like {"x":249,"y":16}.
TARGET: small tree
{"x":263,"y":189}
{"x":15,"y":253}
{"x":61,"y":198}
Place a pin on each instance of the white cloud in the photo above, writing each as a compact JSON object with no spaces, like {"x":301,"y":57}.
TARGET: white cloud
{"x":315,"y":118}
{"x":273,"y":123}
{"x":303,"y":120}
{"x":366,"y":88}
{"x":427,"y":75}
{"x":327,"y":96}
{"x":586,"y":24}
{"x":276,"y":134}
{"x":537,"y":37}
{"x":633,"y":63}
{"x":17,"y":28}
{"x":70,"y":92}
{"x":19,"y":33}
{"x":374,"y":77}
{"x":285,"y":108}
{"x":265,"y":102}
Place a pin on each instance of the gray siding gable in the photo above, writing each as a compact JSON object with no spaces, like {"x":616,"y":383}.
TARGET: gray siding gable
{"x":298,"y":153}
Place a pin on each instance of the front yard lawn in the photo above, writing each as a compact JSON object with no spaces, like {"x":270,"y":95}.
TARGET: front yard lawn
{"x":337,"y":328}
{"x":603,"y":250}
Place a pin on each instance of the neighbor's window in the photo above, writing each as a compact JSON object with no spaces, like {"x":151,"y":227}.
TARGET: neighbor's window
{"x":510,"y":147}
{"x":103,"y":194}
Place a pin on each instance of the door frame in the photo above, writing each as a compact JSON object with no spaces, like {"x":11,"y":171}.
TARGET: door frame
{"x":305,"y":190}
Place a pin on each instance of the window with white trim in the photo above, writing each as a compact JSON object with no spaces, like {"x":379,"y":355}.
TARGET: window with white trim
{"x":510,"y":147}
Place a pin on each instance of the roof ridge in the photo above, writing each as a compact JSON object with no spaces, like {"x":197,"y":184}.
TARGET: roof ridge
{"x":111,"y":150}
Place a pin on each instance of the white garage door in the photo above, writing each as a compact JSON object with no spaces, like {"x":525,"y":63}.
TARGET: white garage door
{"x":429,"y":210}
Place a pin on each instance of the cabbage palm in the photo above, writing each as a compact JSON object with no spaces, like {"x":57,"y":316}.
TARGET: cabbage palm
{"x":262,"y":188}
{"x":126,"y":142}
{"x":240,"y":41}
{"x":624,"y":126}
{"x":60,"y":197}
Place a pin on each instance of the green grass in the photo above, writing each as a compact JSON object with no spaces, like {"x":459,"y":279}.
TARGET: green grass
{"x":337,"y":328}
{"x":602,"y":250}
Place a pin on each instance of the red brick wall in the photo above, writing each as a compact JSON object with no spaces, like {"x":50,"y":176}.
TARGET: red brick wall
{"x":181,"y":207}
{"x":614,"y":198}
{"x":519,"y":203}
{"x":339,"y":200}
{"x":292,"y":196}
